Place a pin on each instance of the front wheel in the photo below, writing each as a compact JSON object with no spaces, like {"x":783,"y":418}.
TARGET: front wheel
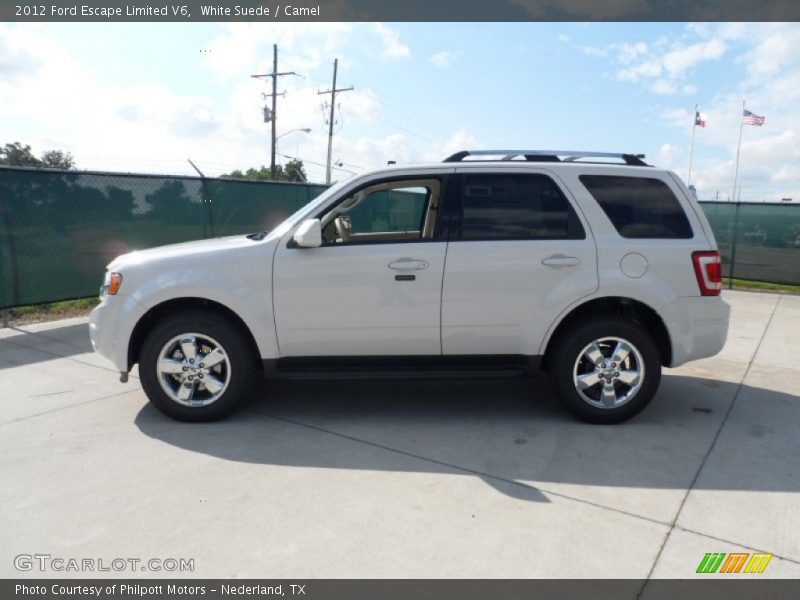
{"x":605,"y":370}
{"x":196,"y":366}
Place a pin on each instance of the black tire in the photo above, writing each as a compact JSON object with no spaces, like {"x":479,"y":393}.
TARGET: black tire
{"x":239,"y":354}
{"x":569,"y":346}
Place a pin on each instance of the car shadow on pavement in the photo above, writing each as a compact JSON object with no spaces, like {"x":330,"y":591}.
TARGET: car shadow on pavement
{"x":22,"y":347}
{"x":511,"y":433}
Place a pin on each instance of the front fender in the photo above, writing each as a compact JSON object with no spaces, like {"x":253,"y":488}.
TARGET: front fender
{"x":249,"y":295}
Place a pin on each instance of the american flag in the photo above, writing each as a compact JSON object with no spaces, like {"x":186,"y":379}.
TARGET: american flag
{"x":749,"y":118}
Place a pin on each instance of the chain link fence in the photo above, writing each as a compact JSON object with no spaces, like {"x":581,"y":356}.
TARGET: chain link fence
{"x":59,"y":229}
{"x":757,"y":241}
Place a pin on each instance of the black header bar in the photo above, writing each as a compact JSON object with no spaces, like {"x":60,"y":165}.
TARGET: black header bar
{"x":710,"y":587}
{"x":397,"y":10}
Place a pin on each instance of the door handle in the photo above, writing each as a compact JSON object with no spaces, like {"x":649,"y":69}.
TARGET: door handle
{"x":560,"y":260}
{"x":408,"y":264}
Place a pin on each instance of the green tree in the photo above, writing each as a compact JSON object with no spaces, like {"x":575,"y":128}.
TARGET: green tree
{"x":56,"y":159}
{"x":294,"y":171}
{"x":17,"y":155}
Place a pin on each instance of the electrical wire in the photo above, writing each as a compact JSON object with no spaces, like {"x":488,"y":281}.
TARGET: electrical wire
{"x":311,"y":162}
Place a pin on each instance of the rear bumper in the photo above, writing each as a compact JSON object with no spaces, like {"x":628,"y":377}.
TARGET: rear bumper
{"x":698,"y":327}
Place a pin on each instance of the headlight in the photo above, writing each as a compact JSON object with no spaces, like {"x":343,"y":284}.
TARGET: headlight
{"x":111,"y":283}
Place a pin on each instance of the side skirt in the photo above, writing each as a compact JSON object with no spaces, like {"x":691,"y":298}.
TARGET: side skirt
{"x":402,"y":367}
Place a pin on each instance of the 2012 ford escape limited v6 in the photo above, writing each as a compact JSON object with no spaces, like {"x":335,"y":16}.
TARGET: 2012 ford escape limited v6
{"x":594,"y":267}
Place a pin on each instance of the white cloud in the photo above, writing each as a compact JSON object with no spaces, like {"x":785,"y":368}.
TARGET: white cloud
{"x":664,"y":69}
{"x":669,"y":156}
{"x":460,"y":140}
{"x":392,"y":46}
{"x":18,"y":54}
{"x":774,"y":52}
{"x":767,"y":55}
{"x":677,"y":117}
{"x":148,"y":127}
{"x":593,"y":51}
{"x":444,"y":59}
{"x":663,"y":86}
{"x":644,"y":70}
{"x":787,"y":173}
{"x":563,"y":37}
{"x":682,"y":58}
{"x":663,"y":63}
{"x":242,"y":49}
{"x":769,"y":154}
{"x":629,"y":52}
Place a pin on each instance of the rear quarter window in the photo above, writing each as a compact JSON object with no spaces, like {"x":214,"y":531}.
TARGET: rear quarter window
{"x":639,"y":207}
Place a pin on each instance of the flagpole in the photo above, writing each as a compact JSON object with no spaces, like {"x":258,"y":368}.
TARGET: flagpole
{"x":738,"y":150}
{"x":691,"y":147}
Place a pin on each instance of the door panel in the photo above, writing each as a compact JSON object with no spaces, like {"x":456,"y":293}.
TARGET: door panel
{"x":374,"y":286}
{"x":519,"y":255}
{"x":498,"y":297}
{"x":346,"y":300}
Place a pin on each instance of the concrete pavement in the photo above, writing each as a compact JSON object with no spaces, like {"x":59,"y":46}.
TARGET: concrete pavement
{"x":406,"y":479}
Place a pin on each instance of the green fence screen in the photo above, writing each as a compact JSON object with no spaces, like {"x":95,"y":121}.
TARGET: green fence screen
{"x":757,"y":241}
{"x":58,"y":229}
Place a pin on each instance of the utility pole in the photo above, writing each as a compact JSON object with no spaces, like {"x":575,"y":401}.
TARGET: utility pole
{"x":274,"y":75}
{"x":332,"y":92}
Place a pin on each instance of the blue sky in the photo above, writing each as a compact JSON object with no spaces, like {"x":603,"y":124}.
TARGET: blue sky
{"x":143,"y":97}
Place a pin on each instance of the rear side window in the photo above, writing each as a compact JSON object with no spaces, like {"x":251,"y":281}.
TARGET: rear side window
{"x":639,"y":207}
{"x":516,"y":206}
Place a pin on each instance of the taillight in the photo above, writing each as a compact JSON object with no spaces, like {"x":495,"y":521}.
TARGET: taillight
{"x":708,"y":270}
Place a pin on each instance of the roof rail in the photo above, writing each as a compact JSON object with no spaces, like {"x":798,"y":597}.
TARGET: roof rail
{"x":549,"y":155}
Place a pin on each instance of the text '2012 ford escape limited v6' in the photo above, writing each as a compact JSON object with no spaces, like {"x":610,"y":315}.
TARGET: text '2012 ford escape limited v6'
{"x":492,"y":263}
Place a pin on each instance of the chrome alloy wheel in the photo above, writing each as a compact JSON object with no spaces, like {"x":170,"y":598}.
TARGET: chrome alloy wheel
{"x":193,"y":369}
{"x":608,"y":372}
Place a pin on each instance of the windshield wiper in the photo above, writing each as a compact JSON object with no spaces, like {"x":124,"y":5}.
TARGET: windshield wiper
{"x":257,"y":236}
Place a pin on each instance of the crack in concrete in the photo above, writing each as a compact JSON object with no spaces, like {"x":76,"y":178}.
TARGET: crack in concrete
{"x":710,"y":450}
{"x":67,"y":407}
{"x":57,"y":355}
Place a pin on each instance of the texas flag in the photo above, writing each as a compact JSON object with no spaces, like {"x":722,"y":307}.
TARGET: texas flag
{"x":700,"y":119}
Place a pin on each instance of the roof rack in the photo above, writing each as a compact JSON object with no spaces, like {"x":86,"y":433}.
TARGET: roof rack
{"x":549,"y":156}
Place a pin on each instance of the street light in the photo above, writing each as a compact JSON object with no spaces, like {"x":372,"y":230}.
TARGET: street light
{"x":277,"y":146}
{"x":303,"y":129}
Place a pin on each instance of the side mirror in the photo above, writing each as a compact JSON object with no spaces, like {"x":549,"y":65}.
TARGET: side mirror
{"x":309,"y":234}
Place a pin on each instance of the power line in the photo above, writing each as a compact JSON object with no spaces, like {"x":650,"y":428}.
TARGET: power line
{"x":422,"y":137}
{"x":397,"y":107}
{"x":388,"y":104}
{"x":311,"y":162}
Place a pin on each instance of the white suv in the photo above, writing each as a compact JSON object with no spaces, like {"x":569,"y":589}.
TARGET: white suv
{"x":594,"y":267}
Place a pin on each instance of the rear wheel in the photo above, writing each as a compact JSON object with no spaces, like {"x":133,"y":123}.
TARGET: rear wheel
{"x":605,"y":370}
{"x":196,"y":366}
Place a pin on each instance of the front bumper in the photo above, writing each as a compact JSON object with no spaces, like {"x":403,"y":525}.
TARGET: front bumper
{"x":698,"y":327}
{"x":110,"y":326}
